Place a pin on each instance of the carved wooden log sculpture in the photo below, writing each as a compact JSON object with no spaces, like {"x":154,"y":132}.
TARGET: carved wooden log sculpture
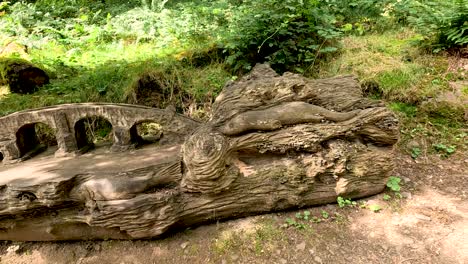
{"x":273,"y":143}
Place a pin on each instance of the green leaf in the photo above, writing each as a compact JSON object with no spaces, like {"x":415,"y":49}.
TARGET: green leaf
{"x":387,"y":197}
{"x":325,"y":214}
{"x":394,"y":183}
{"x":290,"y":221}
{"x":415,"y":152}
{"x":375,"y":208}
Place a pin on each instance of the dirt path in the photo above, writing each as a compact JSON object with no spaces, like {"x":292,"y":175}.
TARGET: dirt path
{"x":428,"y":225}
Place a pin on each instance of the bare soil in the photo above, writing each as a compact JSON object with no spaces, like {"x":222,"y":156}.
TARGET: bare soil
{"x":429,"y":224}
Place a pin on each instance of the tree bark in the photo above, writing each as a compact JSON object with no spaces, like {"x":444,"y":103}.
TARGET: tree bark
{"x":273,"y":143}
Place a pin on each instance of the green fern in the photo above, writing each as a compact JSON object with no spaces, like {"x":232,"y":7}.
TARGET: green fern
{"x":443,"y":23}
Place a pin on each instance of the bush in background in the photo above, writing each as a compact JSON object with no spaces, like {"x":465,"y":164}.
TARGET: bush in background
{"x":442,"y":24}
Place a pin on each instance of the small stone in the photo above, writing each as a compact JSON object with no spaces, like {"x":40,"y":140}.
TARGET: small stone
{"x":311,"y":251}
{"x":184,"y":245}
{"x":422,"y":217}
{"x":301,"y":246}
{"x":283,"y":261}
{"x":97,"y":247}
{"x":13,"y":249}
{"x":414,"y":246}
{"x":413,"y":144}
{"x":405,"y":179}
{"x":235,"y":257}
{"x":317,"y":259}
{"x":406,"y":195}
{"x":157,"y":251}
{"x":223,"y":261}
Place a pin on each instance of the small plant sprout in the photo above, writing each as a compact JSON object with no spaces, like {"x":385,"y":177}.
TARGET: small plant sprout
{"x":306,"y":215}
{"x":444,"y":150}
{"x":315,"y":219}
{"x":291,"y":222}
{"x":415,"y":152}
{"x":325,"y":214}
{"x":386,"y":197}
{"x":343,"y":202}
{"x":394,"y":183}
{"x":299,"y":215}
{"x":374,"y":208}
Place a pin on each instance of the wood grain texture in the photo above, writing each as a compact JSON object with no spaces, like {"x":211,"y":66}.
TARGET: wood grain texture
{"x":273,"y":143}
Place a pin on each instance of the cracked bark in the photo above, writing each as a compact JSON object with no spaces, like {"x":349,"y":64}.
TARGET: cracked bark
{"x":273,"y":143}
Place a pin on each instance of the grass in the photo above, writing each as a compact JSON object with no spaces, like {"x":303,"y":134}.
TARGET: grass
{"x":105,"y":79}
{"x":189,"y":75}
{"x":265,"y":237}
{"x":88,"y":60}
{"x":390,"y":60}
{"x":408,"y":110}
{"x":409,"y":80}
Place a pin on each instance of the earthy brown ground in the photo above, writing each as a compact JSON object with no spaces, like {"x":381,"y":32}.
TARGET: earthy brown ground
{"x":428,"y":225}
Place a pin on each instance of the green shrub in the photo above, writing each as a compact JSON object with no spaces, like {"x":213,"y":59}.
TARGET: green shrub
{"x":358,"y":16}
{"x":443,"y":24}
{"x":289,"y":34}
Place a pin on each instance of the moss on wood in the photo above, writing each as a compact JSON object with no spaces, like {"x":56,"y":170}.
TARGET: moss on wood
{"x":22,"y":76}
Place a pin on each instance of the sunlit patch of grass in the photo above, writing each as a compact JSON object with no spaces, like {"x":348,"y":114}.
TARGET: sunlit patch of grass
{"x":227,"y":242}
{"x":10,"y":103}
{"x":400,"y":70}
{"x":432,"y":123}
{"x":397,"y":84}
{"x":264,"y":239}
{"x":107,"y":73}
{"x":408,"y":80}
{"x":4,"y":90}
{"x":407,"y":109}
{"x":367,"y":56}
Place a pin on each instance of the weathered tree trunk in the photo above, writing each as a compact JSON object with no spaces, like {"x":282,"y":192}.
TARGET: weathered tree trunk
{"x":273,"y":143}
{"x":22,"y":76}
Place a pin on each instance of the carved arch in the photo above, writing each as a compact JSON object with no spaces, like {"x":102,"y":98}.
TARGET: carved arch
{"x":83,"y":126}
{"x":154,"y":132}
{"x":29,"y":140}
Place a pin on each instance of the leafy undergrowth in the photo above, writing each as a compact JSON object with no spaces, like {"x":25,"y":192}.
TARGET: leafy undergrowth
{"x":114,"y":81}
{"x":183,"y":53}
{"x":392,"y":68}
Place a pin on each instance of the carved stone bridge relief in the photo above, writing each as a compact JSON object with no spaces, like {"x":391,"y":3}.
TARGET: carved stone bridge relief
{"x":273,"y":142}
{"x":18,"y":136}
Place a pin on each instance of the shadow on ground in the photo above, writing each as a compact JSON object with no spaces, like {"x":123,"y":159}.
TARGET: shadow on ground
{"x":428,"y":225}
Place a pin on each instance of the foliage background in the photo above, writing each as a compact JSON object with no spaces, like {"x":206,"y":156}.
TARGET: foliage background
{"x":102,"y":50}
